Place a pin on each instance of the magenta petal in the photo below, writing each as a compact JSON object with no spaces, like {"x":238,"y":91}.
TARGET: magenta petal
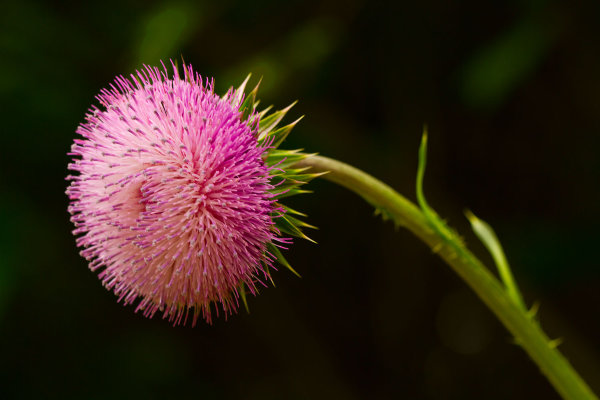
{"x":172,"y":195}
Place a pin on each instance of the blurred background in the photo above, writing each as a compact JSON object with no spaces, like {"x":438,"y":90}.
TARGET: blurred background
{"x":510,"y":91}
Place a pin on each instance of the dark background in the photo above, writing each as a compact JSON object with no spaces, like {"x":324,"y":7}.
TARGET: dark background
{"x":510,"y":91}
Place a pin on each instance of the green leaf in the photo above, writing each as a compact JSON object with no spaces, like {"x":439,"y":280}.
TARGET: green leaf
{"x":299,"y":223}
{"x":280,"y":259}
{"x":294,"y":171}
{"x":239,"y":93}
{"x":242,"y":291}
{"x":283,"y":193}
{"x":284,"y":158}
{"x":385,"y":215}
{"x":421,"y":172}
{"x":290,"y":210}
{"x":434,"y":220}
{"x":488,"y":237}
{"x":267,"y":124}
{"x":285,"y":225}
{"x":532,"y":313}
{"x":282,"y":133}
{"x":250,"y":102}
{"x":264,"y":112}
{"x":303,"y":178}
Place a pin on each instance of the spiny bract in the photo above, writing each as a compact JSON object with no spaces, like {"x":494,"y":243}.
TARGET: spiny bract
{"x":177,"y":190}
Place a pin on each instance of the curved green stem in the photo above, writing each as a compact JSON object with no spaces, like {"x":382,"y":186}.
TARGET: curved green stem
{"x":526,"y":330}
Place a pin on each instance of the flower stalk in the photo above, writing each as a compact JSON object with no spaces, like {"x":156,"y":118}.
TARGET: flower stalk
{"x":177,"y":198}
{"x":428,"y":227}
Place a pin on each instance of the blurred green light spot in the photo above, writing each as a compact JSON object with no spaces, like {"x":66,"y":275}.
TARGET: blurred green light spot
{"x":309,"y":45}
{"x":500,"y":67}
{"x":164,"y":32}
{"x":303,"y":48}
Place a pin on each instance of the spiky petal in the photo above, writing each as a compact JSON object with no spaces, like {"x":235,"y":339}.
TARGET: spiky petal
{"x":173,"y":197}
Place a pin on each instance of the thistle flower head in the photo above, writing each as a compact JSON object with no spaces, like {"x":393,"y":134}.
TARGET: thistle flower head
{"x":177,"y":190}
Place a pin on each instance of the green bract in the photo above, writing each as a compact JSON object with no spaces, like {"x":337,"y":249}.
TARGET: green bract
{"x":286,"y":179}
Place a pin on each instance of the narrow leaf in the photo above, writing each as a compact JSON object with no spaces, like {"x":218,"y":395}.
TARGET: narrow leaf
{"x":290,"y":210}
{"x":242,"y":291}
{"x":279,"y":135}
{"x":266,"y":124}
{"x":300,"y":223}
{"x":284,"y":224}
{"x":239,"y":93}
{"x":250,"y":102}
{"x":288,"y":193}
{"x":280,"y":259}
{"x":488,"y":237}
{"x":284,"y":158}
{"x":434,"y":220}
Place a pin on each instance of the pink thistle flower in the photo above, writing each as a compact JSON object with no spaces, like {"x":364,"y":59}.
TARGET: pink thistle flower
{"x":176,"y":193}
